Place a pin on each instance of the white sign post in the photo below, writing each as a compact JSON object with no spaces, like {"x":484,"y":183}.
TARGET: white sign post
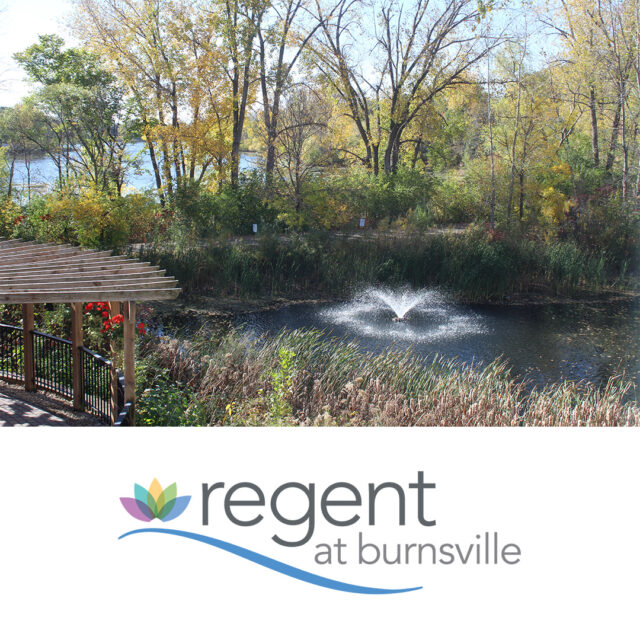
{"x":255,"y":228}
{"x":362,"y":221}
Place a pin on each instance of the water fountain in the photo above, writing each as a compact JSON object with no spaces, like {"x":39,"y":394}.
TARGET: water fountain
{"x":400,"y":302}
{"x":402,"y":315}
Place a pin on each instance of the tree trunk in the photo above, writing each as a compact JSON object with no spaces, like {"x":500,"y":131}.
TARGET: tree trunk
{"x":27,"y":165}
{"x":625,"y":148}
{"x":614,"y":138}
{"x":513,"y":144}
{"x":176,"y":125}
{"x":492,"y":197}
{"x":10,"y":188}
{"x":156,"y":169}
{"x":391,"y":152}
{"x":594,"y":127}
{"x":521,"y":186}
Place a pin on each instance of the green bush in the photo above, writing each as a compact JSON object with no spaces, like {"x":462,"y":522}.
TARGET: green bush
{"x":162,"y":401}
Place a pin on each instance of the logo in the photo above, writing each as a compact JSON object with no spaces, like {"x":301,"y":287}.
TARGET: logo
{"x":155,"y":502}
{"x":355,"y":510}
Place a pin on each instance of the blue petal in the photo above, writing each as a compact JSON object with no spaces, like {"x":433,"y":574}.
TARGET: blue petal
{"x":179,"y":506}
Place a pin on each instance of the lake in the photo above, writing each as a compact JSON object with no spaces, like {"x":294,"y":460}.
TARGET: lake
{"x":45,"y":172}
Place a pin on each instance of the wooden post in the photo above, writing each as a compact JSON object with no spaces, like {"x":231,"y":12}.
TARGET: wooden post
{"x":129,"y":313}
{"x":27,"y":352}
{"x":76,"y":344}
{"x":115,"y":310}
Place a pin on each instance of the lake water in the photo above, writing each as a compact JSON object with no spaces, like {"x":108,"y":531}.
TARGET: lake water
{"x":45,"y":172}
{"x":541,"y":343}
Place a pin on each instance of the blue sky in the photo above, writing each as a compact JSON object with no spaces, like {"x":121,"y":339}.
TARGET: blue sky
{"x":20,"y":23}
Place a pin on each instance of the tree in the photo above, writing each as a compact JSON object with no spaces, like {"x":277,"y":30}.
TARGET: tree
{"x":419,"y":51}
{"x":598,"y":61}
{"x":239,"y":22}
{"x":337,"y":58}
{"x":281,"y":46}
{"x":300,"y":144}
{"x":80,"y":112}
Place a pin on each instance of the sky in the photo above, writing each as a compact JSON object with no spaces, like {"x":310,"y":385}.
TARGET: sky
{"x":20,"y":23}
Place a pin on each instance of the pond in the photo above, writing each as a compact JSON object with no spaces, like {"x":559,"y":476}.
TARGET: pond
{"x":542,"y":343}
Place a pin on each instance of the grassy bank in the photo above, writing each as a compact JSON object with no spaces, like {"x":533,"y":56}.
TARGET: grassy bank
{"x":475,"y":265}
{"x":299,"y":378}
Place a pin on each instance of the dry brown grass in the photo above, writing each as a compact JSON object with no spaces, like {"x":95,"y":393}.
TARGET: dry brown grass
{"x":334,"y":383}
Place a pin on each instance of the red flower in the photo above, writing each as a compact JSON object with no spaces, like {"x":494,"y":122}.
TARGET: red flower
{"x":117,"y":319}
{"x":105,"y":314}
{"x":141,"y":329}
{"x":89,"y":306}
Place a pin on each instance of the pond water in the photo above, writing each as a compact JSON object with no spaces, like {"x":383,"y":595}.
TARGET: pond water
{"x":542,"y":343}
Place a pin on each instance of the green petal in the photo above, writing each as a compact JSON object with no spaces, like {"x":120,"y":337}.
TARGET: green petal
{"x":168,"y":495}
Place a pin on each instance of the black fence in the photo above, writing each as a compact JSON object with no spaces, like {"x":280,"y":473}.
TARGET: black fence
{"x":53,"y":371}
{"x":53,"y":364}
{"x":96,"y":377}
{"x":11,"y":353}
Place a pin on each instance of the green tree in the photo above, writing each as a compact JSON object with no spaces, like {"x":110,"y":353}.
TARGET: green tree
{"x":78,"y":113}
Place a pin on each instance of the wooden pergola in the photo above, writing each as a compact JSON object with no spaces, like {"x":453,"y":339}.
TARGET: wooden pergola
{"x":33,"y":273}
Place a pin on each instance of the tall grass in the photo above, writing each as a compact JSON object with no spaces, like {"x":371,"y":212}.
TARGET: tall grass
{"x":473,"y":265}
{"x":332,"y":382}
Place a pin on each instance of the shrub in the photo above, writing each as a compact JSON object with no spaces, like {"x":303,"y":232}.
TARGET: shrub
{"x":89,"y":218}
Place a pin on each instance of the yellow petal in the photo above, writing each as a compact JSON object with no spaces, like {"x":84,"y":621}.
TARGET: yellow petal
{"x":155,"y":489}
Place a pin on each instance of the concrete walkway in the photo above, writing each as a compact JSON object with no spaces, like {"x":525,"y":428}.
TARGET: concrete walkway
{"x":17,"y":413}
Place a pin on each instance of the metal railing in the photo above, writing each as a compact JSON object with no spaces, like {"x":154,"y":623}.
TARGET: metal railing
{"x":53,"y":364}
{"x":11,"y":353}
{"x":96,"y":384}
{"x":53,"y":371}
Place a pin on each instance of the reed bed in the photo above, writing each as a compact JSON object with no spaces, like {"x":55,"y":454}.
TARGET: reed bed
{"x":472,"y":264}
{"x":333,"y":382}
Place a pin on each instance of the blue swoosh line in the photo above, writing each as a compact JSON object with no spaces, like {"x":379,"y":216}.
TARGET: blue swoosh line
{"x":272,"y":564}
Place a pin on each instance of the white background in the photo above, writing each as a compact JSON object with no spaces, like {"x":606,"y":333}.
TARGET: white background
{"x":569,"y":498}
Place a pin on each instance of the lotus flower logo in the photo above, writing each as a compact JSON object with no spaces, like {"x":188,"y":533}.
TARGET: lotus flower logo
{"x":155,"y":503}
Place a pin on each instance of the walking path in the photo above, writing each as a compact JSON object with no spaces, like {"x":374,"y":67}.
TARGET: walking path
{"x":17,"y":413}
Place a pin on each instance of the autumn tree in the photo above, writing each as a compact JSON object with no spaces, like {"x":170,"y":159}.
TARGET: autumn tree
{"x":166,"y":54}
{"x":419,"y":49}
{"x":238,"y":25}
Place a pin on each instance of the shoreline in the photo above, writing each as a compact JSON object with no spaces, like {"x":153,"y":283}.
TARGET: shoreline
{"x":225,"y":308}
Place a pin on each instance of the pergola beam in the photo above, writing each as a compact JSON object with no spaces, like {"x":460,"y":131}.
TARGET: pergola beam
{"x":58,"y":257}
{"x":88,"y":276}
{"x":87,"y":295}
{"x":85,"y":283}
{"x":12,"y":255}
{"x":140,"y":267}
